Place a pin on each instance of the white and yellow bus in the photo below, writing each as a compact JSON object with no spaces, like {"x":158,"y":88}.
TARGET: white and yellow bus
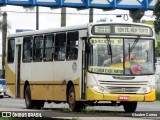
{"x":82,"y":65}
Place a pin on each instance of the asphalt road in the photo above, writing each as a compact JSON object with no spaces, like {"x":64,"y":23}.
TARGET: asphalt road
{"x":98,"y":112}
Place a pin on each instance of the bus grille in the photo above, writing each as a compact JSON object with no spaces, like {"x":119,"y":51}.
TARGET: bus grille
{"x":123,"y":86}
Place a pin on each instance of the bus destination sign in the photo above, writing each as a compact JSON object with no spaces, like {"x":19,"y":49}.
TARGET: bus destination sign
{"x":102,"y":29}
{"x":132,"y":30}
{"x":128,"y":30}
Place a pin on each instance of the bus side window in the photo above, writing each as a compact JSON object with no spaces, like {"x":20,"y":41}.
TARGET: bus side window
{"x":60,"y":47}
{"x":38,"y":49}
{"x":27,"y":49}
{"x":48,"y":47}
{"x":72,"y":46}
{"x":11,"y":49}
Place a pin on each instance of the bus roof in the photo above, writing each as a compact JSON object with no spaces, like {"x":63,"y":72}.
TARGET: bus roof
{"x":68,"y":28}
{"x":59,"y":29}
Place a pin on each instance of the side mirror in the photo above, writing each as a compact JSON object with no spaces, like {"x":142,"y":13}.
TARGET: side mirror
{"x":88,"y":48}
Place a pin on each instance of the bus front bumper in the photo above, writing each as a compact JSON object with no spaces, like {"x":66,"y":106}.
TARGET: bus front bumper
{"x":94,"y":96}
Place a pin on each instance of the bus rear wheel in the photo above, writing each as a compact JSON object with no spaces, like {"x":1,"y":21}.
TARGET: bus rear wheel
{"x":130,"y":106}
{"x":74,"y":105}
{"x":29,"y":102}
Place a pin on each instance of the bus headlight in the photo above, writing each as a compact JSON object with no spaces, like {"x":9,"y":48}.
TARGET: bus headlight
{"x":148,"y":89}
{"x":99,"y":89}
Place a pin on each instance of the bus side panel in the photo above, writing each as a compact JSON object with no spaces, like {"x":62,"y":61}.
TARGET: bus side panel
{"x":65,"y":71}
{"x":42,"y":81}
{"x":41,"y":92}
{"x":10,"y":75}
{"x":62,"y":74}
{"x":25,"y":75}
{"x":10,"y":80}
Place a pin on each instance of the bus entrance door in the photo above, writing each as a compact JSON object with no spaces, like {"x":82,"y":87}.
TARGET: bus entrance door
{"x":18,"y":66}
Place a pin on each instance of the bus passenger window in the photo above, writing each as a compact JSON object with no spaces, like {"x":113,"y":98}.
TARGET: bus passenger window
{"x":27,"y":49}
{"x":60,"y":47}
{"x":11,"y":49}
{"x":38,"y":48}
{"x":48,"y":47}
{"x":72,"y":46}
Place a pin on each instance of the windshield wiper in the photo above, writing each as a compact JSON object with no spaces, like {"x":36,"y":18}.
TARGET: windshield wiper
{"x":109,"y":47}
{"x":134,"y":44}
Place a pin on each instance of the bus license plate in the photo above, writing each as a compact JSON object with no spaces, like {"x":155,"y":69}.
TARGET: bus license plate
{"x":123,"y":98}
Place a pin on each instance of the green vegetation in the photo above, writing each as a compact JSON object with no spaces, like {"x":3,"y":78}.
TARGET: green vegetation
{"x":157,"y":27}
{"x":9,"y":118}
{"x":90,"y":111}
{"x":29,"y":9}
{"x":75,"y":118}
{"x":66,"y":110}
{"x":25,"y":118}
{"x":158,"y":95}
{"x":0,"y":72}
{"x":157,"y":14}
{"x":149,"y":22}
{"x":157,"y":49}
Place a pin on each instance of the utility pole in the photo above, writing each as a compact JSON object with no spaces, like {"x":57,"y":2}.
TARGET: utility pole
{"x":63,"y":16}
{"x":37,"y":18}
{"x":4,"y":37}
{"x":90,"y":15}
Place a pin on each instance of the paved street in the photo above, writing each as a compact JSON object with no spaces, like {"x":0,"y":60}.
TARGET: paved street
{"x":62,"y":111}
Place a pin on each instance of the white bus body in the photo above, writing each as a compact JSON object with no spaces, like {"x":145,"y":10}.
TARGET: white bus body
{"x":63,"y":65}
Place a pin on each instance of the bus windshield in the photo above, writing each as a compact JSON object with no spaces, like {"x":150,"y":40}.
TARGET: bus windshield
{"x":125,"y":56}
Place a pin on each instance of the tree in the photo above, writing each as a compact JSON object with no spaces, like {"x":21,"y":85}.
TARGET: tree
{"x":29,"y":8}
{"x":3,"y":28}
{"x":3,"y":23}
{"x":157,"y":14}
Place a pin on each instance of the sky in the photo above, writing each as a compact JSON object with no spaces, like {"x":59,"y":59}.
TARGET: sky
{"x":19,"y":18}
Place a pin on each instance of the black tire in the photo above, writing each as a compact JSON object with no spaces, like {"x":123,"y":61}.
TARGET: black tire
{"x":74,"y":105}
{"x":1,"y":96}
{"x":130,"y":106}
{"x":39,"y":104}
{"x":30,"y":104}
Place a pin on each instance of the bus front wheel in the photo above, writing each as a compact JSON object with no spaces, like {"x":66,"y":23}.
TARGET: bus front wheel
{"x":39,"y":104}
{"x":29,"y":102}
{"x":130,"y":106}
{"x":73,"y":104}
